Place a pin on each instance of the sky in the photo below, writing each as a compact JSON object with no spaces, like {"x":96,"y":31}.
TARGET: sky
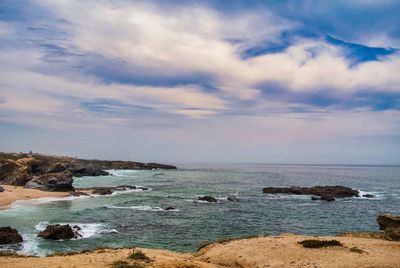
{"x":303,"y":82}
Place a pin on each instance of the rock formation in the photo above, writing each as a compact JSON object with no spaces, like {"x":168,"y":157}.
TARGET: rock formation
{"x":327,"y":193}
{"x":54,"y":173}
{"x":209,"y":199}
{"x":9,"y":235}
{"x":58,"y":232}
{"x":390,"y":224}
{"x":60,"y":181}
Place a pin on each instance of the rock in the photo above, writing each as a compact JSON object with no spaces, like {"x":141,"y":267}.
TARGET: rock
{"x":158,"y":166}
{"x":315,"y":198}
{"x":58,"y":232}
{"x":327,"y":198}
{"x":19,"y":168}
{"x":170,"y":208}
{"x":233,"y":198}
{"x":392,"y":234}
{"x":369,"y":195}
{"x":77,"y":193}
{"x":61,"y":181}
{"x":388,"y":221}
{"x":124,"y":187}
{"x":9,"y":235}
{"x":209,"y":199}
{"x":326,"y":191}
{"x":85,"y":171}
{"x":1,"y":189}
{"x":57,"y":167}
{"x":102,"y":191}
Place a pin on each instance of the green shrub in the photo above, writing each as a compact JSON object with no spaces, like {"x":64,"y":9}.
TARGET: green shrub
{"x":313,"y":243}
{"x":357,"y":250}
{"x":139,"y":256}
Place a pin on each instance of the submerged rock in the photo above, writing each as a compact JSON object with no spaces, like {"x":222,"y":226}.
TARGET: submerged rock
{"x":78,"y":193}
{"x":102,"y":191}
{"x":61,"y":181}
{"x":9,"y":235}
{"x":58,"y":232}
{"x":323,"y":191}
{"x":233,"y":198}
{"x":369,"y":195}
{"x":327,"y":198}
{"x":209,"y":199}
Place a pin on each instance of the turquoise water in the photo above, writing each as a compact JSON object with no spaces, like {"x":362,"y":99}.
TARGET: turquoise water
{"x":137,"y":218}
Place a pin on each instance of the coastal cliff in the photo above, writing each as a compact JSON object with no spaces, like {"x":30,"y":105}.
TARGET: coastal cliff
{"x":55,"y":173}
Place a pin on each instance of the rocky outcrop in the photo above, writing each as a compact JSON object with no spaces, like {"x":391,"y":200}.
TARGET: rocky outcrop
{"x":19,"y":169}
{"x":390,"y":224}
{"x":60,"y":232}
{"x":61,"y":181}
{"x":328,"y":193}
{"x":9,"y":235}
{"x":209,"y":199}
{"x":84,"y":171}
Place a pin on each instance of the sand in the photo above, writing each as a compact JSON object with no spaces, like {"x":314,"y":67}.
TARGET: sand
{"x":272,"y":251}
{"x":16,"y":193}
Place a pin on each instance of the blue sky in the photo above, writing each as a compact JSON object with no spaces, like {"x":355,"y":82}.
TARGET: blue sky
{"x":202,"y":81}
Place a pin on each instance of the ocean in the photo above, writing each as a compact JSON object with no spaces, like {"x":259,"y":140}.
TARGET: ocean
{"x":137,"y":217}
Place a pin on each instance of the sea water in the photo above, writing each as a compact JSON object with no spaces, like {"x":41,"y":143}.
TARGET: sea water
{"x":137,"y":217}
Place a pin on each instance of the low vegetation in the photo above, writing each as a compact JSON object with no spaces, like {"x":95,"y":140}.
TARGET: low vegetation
{"x":357,"y":250}
{"x":314,"y":243}
{"x":139,"y":256}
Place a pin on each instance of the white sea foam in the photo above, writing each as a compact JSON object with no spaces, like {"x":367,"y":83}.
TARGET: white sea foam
{"x":142,"y":208}
{"x":88,"y":229}
{"x":44,"y":200}
{"x":377,"y":195}
{"x":122,"y":172}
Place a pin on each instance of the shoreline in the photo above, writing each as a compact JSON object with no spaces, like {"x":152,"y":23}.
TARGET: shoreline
{"x":13,"y":194}
{"x":266,"y":251}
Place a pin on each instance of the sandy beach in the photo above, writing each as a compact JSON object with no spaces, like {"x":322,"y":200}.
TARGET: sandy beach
{"x":16,"y":193}
{"x":273,"y":251}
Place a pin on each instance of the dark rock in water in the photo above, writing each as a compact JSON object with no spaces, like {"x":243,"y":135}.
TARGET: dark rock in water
{"x":77,"y":193}
{"x":327,"y":198}
{"x":315,"y":198}
{"x":85,"y":171}
{"x":58,"y":232}
{"x":1,"y":189}
{"x":369,"y":195}
{"x":124,"y":187}
{"x":61,"y":181}
{"x":233,"y":198}
{"x":209,"y":199}
{"x":387,"y":221}
{"x":9,"y":235}
{"x":326,"y":191}
{"x":102,"y":191}
{"x":170,"y":208}
{"x":158,"y":166}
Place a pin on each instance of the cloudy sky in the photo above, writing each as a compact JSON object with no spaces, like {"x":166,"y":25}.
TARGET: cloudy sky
{"x":202,"y":81}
